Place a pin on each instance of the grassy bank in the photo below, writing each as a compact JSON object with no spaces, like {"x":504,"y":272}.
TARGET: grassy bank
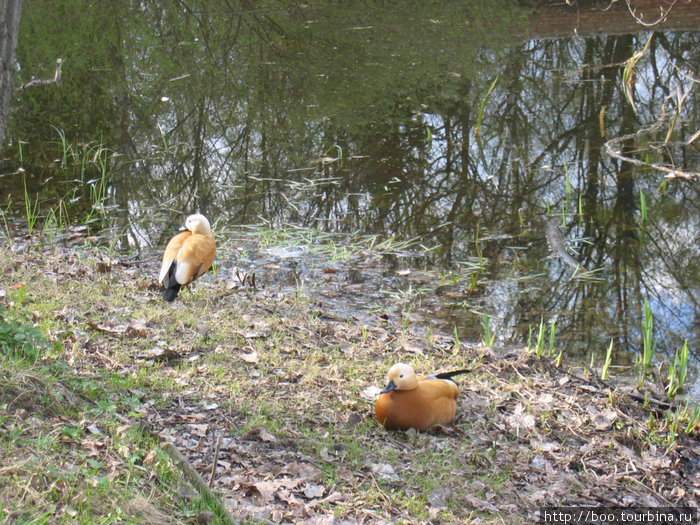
{"x":278,"y":394}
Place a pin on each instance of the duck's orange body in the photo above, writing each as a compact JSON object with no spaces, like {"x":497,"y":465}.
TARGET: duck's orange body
{"x":409,"y":401}
{"x":187,"y":256}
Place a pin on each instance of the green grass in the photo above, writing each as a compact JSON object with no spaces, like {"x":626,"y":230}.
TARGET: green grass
{"x":60,"y":452}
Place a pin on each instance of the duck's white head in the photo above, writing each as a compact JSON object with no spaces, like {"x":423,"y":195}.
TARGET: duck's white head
{"x":198,"y":223}
{"x":401,"y":376}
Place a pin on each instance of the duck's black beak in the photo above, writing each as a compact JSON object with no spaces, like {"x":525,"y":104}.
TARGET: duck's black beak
{"x":388,"y":388}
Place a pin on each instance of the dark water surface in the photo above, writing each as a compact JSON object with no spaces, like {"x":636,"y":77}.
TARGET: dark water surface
{"x":302,"y":129}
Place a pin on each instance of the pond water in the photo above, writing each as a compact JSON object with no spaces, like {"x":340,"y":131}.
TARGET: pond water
{"x":404,"y":163}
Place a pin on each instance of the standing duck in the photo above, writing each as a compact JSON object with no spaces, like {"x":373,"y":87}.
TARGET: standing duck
{"x":187,"y":256}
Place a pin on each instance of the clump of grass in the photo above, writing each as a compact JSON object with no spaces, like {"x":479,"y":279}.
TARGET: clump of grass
{"x":677,"y":372}
{"x":489,"y":337}
{"x":84,"y":168}
{"x":19,"y":339}
{"x":539,"y":344}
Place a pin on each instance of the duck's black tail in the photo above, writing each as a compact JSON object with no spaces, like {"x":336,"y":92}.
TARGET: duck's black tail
{"x":450,"y":375}
{"x":171,"y":287}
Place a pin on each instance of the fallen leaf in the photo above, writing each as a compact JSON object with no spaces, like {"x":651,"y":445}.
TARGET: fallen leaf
{"x":204,"y":517}
{"x":384,"y":470}
{"x":259,"y":434}
{"x":414,"y":347}
{"x":604,"y":420}
{"x":265,"y":490}
{"x":313,"y":491}
{"x":198,"y":430}
{"x":150,"y":458}
{"x":545,"y":446}
{"x":370,"y":393}
{"x":481,"y":505}
{"x":252,"y":357}
{"x":303,"y":470}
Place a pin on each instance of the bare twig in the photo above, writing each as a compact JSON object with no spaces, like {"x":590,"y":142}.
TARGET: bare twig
{"x":216,"y":459}
{"x":664,"y":10}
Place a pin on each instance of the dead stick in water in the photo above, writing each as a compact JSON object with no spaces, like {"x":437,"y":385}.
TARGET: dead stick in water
{"x":55,"y":80}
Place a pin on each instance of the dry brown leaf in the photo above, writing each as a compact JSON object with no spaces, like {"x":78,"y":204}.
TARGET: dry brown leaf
{"x":303,"y":470}
{"x":603,"y":420}
{"x":259,"y":434}
{"x":198,"y":430}
{"x":263,"y":490}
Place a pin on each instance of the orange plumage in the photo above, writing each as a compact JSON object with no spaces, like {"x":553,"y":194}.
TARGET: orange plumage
{"x":409,"y":401}
{"x":187,"y":256}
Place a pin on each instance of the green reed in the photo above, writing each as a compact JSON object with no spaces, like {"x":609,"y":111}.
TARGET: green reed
{"x":552,"y":330}
{"x":339,"y":158}
{"x":580,"y":210}
{"x":31,"y":209}
{"x":693,"y":420}
{"x":608,"y":362}
{"x":489,"y":337}
{"x":539,"y":346}
{"x":483,"y":106}
{"x":164,"y":138}
{"x":649,"y":344}
{"x":677,"y":372}
{"x":66,"y":148}
{"x":643,"y":210}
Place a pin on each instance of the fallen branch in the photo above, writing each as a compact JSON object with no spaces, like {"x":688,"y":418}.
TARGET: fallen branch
{"x":193,"y":476}
{"x":612,"y":148}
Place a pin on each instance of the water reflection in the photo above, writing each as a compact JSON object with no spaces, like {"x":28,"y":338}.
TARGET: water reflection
{"x":342,"y":119}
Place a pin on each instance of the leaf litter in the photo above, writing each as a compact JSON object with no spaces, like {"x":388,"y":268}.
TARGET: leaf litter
{"x":271,"y":401}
